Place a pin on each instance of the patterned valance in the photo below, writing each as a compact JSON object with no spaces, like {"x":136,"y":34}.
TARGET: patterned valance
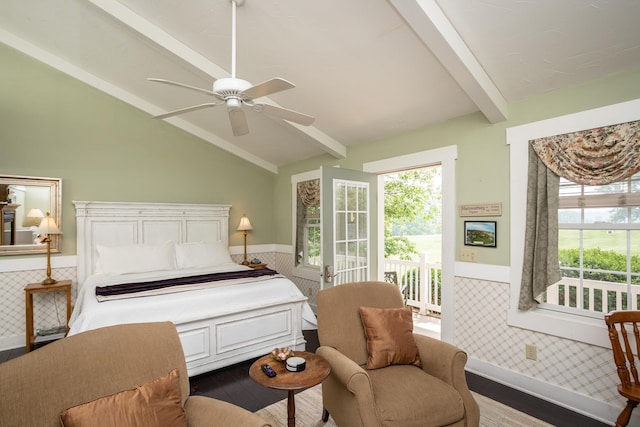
{"x":593,"y":157}
{"x":309,"y":192}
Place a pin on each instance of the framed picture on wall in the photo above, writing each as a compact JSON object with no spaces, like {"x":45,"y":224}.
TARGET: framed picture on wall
{"x":480,"y":233}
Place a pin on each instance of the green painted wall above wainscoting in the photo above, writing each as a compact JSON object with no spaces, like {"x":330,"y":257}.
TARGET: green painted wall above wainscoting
{"x":52,"y":125}
{"x":103,"y":149}
{"x":482,"y":167}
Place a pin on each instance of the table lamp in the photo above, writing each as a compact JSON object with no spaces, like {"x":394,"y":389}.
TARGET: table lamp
{"x":37,"y":216}
{"x":245,"y":226}
{"x":48,"y":227}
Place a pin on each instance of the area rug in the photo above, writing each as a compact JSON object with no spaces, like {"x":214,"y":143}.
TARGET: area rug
{"x":309,"y":412}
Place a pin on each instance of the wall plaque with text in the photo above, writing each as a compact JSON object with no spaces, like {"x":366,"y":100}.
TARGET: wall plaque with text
{"x":481,"y":209}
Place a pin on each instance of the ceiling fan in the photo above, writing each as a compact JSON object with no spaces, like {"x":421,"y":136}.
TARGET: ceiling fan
{"x":235,"y":92}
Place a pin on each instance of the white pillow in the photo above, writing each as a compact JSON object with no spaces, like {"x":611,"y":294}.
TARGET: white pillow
{"x":136,"y":258}
{"x":199,"y":255}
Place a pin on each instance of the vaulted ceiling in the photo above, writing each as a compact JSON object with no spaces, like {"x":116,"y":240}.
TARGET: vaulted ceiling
{"x":365,"y":69}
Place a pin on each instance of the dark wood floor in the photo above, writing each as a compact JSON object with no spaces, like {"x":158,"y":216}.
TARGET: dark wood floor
{"x":232,"y":384}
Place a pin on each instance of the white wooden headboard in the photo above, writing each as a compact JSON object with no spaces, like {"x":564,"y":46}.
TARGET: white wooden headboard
{"x":131,"y":223}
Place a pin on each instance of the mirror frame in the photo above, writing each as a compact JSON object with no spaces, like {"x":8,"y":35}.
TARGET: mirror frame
{"x":55,"y":196}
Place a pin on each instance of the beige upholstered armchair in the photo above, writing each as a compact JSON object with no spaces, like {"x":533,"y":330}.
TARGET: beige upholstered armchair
{"x":397,"y":395}
{"x":104,"y":367}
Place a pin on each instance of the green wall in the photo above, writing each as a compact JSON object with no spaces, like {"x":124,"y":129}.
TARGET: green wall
{"x":52,"y":125}
{"x":103,"y":149}
{"x":482,"y":168}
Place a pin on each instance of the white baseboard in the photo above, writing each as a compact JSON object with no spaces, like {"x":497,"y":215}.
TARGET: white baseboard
{"x":576,"y":402}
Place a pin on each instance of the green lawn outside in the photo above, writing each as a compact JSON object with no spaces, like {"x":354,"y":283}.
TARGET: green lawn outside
{"x":431,"y":244}
{"x":614,"y":240}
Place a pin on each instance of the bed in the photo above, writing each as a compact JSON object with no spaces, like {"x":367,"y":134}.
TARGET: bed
{"x":128,"y":252}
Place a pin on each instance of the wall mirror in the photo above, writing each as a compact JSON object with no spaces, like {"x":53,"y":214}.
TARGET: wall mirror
{"x":23,"y":201}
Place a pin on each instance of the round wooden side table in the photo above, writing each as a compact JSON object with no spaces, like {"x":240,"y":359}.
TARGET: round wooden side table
{"x":316,"y":370}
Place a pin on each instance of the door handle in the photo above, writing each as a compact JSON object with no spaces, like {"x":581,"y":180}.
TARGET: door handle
{"x":328,"y":273}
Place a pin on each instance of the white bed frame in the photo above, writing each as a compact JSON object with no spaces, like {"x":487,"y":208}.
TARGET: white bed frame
{"x":209,"y":343}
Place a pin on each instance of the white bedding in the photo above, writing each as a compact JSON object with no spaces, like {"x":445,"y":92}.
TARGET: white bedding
{"x":180,"y":307}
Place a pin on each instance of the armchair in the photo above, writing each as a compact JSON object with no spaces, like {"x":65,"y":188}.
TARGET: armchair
{"x":396,"y":395}
{"x":38,"y":386}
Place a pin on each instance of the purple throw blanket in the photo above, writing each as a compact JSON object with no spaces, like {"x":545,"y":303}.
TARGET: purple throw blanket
{"x":133,"y":288}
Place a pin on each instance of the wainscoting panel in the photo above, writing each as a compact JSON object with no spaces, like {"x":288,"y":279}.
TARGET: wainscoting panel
{"x":309,"y":288}
{"x":48,"y":309}
{"x":482,"y":331}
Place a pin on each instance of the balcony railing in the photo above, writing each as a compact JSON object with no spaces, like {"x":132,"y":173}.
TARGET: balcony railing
{"x":597,"y":295}
{"x":420,"y":282}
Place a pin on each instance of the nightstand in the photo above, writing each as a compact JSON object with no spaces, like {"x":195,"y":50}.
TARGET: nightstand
{"x":38,"y":288}
{"x":257,"y":266}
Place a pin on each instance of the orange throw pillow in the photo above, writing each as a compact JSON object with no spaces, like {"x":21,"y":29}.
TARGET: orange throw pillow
{"x":154,"y":404}
{"x":390,"y":339}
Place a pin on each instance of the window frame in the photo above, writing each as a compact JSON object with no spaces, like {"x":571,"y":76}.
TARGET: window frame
{"x":589,"y":200}
{"x":306,"y":228}
{"x":307,"y":272}
{"x":575,"y":326}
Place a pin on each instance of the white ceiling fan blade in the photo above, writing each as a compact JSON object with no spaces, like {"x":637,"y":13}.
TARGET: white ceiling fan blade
{"x":267,"y":88}
{"x":185,"y":110}
{"x":283,"y":113}
{"x":238,"y":121}
{"x":169,"y":82}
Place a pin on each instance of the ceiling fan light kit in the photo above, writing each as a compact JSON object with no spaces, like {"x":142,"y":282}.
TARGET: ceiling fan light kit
{"x":235,"y":93}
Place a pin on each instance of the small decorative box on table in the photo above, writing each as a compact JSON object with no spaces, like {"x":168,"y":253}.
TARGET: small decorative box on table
{"x":257,"y":266}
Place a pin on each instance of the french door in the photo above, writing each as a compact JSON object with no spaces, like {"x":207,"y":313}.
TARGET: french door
{"x":349,"y":224}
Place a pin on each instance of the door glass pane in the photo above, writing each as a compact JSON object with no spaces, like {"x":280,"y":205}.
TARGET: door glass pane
{"x":362,"y":226}
{"x":353,"y":251}
{"x":339,"y":195}
{"x":341,"y":257}
{"x":362,"y":198}
{"x":363,"y":248}
{"x":352,"y":201}
{"x":351,"y":231}
{"x":340,"y":226}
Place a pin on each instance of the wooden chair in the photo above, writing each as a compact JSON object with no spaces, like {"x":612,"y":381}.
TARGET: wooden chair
{"x":391,"y":277}
{"x":620,"y":324}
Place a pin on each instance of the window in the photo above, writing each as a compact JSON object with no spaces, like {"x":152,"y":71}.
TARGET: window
{"x":566,"y":323}
{"x":598,"y":247}
{"x":307,"y":248}
{"x":309,"y":252}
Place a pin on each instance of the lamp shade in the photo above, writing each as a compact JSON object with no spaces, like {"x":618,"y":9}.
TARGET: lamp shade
{"x":244,"y":224}
{"x":48,"y":226}
{"x":35,"y":213}
{"x":34,"y":217}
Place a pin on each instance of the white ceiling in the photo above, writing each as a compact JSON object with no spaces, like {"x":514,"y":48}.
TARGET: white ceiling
{"x":365,"y":69}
